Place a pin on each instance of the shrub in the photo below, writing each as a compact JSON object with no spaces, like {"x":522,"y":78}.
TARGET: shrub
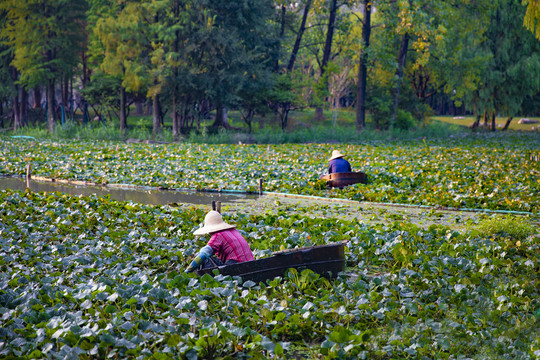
{"x":508,"y":226}
{"x":404,"y":120}
{"x":381,"y":112}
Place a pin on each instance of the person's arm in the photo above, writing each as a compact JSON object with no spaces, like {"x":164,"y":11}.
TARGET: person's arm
{"x":204,"y":253}
{"x":330,"y":166}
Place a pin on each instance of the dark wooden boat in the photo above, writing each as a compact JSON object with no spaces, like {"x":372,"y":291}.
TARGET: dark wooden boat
{"x":327,"y":260}
{"x":339,"y":180}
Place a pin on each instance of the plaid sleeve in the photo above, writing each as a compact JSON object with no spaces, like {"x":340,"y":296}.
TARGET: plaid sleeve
{"x":204,"y":254}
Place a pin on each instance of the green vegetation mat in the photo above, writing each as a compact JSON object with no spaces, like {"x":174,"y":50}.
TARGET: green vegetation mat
{"x":88,"y":277}
{"x":487,"y":171}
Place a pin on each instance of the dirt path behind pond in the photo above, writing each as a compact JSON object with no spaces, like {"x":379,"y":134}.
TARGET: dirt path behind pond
{"x":349,"y":210}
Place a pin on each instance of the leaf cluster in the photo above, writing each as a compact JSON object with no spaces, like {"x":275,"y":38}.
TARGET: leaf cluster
{"x":469,"y":172}
{"x":92,"y":277}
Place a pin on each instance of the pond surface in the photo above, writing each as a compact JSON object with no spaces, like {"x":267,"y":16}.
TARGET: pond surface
{"x":287,"y":204}
{"x":138,"y":195}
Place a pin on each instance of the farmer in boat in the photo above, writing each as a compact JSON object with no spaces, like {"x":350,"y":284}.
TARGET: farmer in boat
{"x":338,"y":164}
{"x":226,"y":246}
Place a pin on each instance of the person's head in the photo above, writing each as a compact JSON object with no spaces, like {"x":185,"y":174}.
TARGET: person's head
{"x":213,"y":222}
{"x":336,"y":154}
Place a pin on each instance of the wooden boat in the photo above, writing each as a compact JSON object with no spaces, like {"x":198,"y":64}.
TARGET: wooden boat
{"x":339,"y":180}
{"x":327,"y":260}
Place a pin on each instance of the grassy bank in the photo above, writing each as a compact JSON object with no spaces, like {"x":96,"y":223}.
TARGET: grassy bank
{"x":301,"y":128}
{"x":466,"y":121}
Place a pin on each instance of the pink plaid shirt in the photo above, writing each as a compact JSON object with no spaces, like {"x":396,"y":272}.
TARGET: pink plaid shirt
{"x":230,"y":245}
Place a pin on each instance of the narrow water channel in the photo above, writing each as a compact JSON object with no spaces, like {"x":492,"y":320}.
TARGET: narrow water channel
{"x":138,"y":195}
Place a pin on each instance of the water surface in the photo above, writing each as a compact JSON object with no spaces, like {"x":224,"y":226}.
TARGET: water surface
{"x":138,"y":195}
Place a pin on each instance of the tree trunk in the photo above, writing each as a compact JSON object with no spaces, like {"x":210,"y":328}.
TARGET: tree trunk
{"x":71,"y":101}
{"x":51,"y":118}
{"x":174,"y":114}
{"x":248,"y":119}
{"x":221,"y":118}
{"x":284,"y":116}
{"x":16,"y":118}
{"x":261,"y":123}
{"x":16,"y":110}
{"x":326,"y":55}
{"x":507,"y":123}
{"x":84,"y":80}
{"x":493,"y":124}
{"x":486,"y":119}
{"x":281,"y":35}
{"x":139,"y":109}
{"x":65,"y":91}
{"x":362,"y":68}
{"x":85,"y":111}
{"x":37,"y":98}
{"x":402,"y":58}
{"x":476,"y":122}
{"x":64,"y":87}
{"x":123,"y":119}
{"x":23,"y":113}
{"x":319,"y":113}
{"x":1,"y":114}
{"x":299,"y":36}
{"x":155,"y":116}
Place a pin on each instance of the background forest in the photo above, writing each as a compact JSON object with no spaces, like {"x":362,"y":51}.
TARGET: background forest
{"x":393,"y":62}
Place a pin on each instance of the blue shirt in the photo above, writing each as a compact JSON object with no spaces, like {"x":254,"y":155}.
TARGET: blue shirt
{"x":339,"y":165}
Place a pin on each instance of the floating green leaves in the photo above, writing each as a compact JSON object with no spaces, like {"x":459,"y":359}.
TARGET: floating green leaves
{"x":477,"y":171}
{"x":109,"y":282}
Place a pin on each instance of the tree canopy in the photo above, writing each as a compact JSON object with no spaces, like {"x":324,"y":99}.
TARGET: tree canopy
{"x":393,"y":60}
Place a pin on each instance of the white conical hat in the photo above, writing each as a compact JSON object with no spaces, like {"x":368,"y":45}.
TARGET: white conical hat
{"x":336,"y":154}
{"x":213,"y":222}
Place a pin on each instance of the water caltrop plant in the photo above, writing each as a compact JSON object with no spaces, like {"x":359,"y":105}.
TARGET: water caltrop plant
{"x":89,"y":277}
{"x":478,"y":171}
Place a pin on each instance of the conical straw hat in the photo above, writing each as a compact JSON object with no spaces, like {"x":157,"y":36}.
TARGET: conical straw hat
{"x":336,"y":154}
{"x":213,"y":222}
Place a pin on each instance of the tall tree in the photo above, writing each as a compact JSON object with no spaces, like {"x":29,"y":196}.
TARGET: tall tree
{"x":239,"y":43}
{"x":457,"y":62}
{"x":513,"y":72}
{"x":93,"y":55}
{"x":45,"y":36}
{"x":327,"y":51}
{"x":124,"y":41}
{"x":175,"y":44}
{"x":362,"y":66}
{"x":404,"y":29}
{"x":8,"y":75}
{"x":6,"y":82}
{"x":532,"y":16}
{"x":299,"y":35}
{"x":432,"y":54}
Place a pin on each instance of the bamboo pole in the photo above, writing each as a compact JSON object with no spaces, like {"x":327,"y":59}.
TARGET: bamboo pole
{"x":28,"y":174}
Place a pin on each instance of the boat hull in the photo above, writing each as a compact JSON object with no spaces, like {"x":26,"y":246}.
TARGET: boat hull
{"x":339,"y":180}
{"x":327,"y":260}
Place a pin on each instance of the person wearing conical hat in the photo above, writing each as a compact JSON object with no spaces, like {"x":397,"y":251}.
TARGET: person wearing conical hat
{"x":226,"y":245}
{"x":338,"y":164}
